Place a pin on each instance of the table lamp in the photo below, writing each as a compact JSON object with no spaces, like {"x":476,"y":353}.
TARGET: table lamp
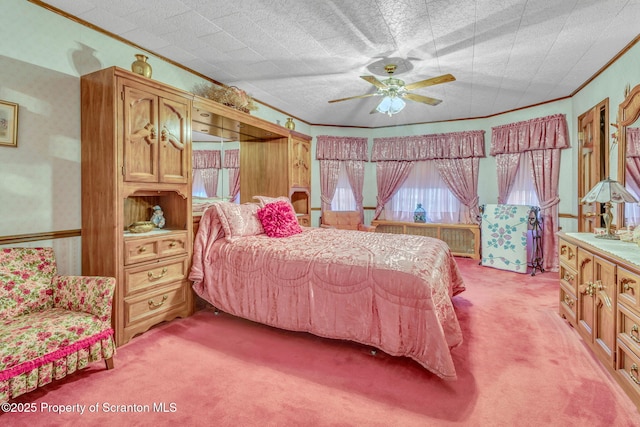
{"x":608,"y":191}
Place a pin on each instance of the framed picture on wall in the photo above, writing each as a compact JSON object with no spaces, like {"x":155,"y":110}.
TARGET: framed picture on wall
{"x":8,"y":124}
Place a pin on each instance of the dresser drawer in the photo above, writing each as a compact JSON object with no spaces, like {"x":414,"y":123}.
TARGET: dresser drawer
{"x":151,"y":275}
{"x":629,"y":289}
{"x":149,"y":248}
{"x":567,"y":252}
{"x":569,"y":278}
{"x":568,"y":304}
{"x":629,"y":328}
{"x":628,"y":371}
{"x":157,"y":303}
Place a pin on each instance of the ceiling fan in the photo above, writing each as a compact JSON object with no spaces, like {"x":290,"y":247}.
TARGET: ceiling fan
{"x":394,"y":91}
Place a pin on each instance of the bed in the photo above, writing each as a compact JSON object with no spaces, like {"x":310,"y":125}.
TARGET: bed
{"x":391,"y":292}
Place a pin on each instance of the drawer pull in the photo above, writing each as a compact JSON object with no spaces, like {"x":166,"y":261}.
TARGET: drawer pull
{"x":634,"y":368}
{"x":568,"y":301}
{"x":142,"y":249}
{"x":563,"y":250}
{"x":571,"y":254}
{"x":161,"y":275}
{"x":635,"y":334}
{"x":569,"y":277}
{"x":172,"y":244}
{"x":157,"y":304}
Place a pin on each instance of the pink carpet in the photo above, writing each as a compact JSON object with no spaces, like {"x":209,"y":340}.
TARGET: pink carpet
{"x":520,"y":365}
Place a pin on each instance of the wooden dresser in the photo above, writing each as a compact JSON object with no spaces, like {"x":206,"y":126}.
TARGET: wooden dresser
{"x":600,"y":297}
{"x":136,"y":154}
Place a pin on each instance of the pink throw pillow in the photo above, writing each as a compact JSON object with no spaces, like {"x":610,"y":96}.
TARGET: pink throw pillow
{"x":239,"y":220}
{"x":279,"y":220}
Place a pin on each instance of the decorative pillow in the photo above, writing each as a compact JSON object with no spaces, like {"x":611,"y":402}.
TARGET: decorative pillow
{"x":264,"y":200}
{"x":279,"y":220}
{"x":239,"y":220}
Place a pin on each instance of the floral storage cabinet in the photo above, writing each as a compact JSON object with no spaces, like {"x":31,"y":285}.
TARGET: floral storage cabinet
{"x":136,"y":155}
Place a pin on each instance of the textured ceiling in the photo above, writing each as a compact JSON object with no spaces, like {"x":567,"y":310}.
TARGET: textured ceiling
{"x":296,"y":55}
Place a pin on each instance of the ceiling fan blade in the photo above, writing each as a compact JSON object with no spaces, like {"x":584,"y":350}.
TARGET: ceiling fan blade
{"x":353,"y":97}
{"x":377,"y":83}
{"x":423,"y":99}
{"x":430,"y":82}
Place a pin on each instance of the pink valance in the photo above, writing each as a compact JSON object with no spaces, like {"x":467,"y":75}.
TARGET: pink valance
{"x":206,"y":159}
{"x":341,"y":148}
{"x":454,"y":145}
{"x":231,"y":158}
{"x":633,"y":142}
{"x":542,"y":133}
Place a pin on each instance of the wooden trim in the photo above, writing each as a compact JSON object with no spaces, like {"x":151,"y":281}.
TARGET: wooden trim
{"x":568,"y":216}
{"x":34,"y":237}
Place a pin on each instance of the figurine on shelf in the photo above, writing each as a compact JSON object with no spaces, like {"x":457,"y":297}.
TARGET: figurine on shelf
{"x":158,"y":217}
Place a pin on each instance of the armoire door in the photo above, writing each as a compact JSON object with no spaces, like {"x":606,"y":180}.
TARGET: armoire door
{"x":140,"y":145}
{"x":175,"y":122}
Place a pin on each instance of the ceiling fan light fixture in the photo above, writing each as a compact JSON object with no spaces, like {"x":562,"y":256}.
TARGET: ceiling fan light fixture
{"x":391,"y":105}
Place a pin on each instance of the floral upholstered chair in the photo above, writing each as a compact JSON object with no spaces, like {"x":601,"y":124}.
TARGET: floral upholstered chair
{"x":50,"y":325}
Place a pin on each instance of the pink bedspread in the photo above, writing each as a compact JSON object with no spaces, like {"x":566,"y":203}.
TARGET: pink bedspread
{"x":389,"y":291}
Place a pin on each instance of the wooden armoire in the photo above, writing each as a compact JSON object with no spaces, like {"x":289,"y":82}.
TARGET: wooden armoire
{"x":136,"y":154}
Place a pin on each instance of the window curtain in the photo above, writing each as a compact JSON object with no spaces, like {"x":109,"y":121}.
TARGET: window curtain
{"x":232,"y":164}
{"x":457,"y":156}
{"x":507,"y":166}
{"x":206,"y":167}
{"x":543,"y":138}
{"x":331,"y":152}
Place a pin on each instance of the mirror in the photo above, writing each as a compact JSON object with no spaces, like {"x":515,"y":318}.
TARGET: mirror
{"x":628,"y":132}
{"x":215,"y":168}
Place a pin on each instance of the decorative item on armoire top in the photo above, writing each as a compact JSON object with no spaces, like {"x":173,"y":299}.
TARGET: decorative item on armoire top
{"x":420,"y":215}
{"x":141,"y":66}
{"x":290,"y":124}
{"x":231,"y":96}
{"x":158,"y":217}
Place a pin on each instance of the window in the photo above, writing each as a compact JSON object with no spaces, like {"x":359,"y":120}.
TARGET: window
{"x":523,"y":191}
{"x":343,"y":199}
{"x":425,"y":186}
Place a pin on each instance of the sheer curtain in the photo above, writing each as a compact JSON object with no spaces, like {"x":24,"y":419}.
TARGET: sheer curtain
{"x":343,"y":198}
{"x":424,"y":185}
{"x":523,"y":190}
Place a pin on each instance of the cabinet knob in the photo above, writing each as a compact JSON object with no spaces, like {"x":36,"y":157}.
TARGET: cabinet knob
{"x":172,"y":244}
{"x":568,"y":301}
{"x":142,"y":249}
{"x":568,"y":277}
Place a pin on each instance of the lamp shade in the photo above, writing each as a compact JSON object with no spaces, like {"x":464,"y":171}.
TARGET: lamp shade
{"x":390,"y":105}
{"x":608,"y":190}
